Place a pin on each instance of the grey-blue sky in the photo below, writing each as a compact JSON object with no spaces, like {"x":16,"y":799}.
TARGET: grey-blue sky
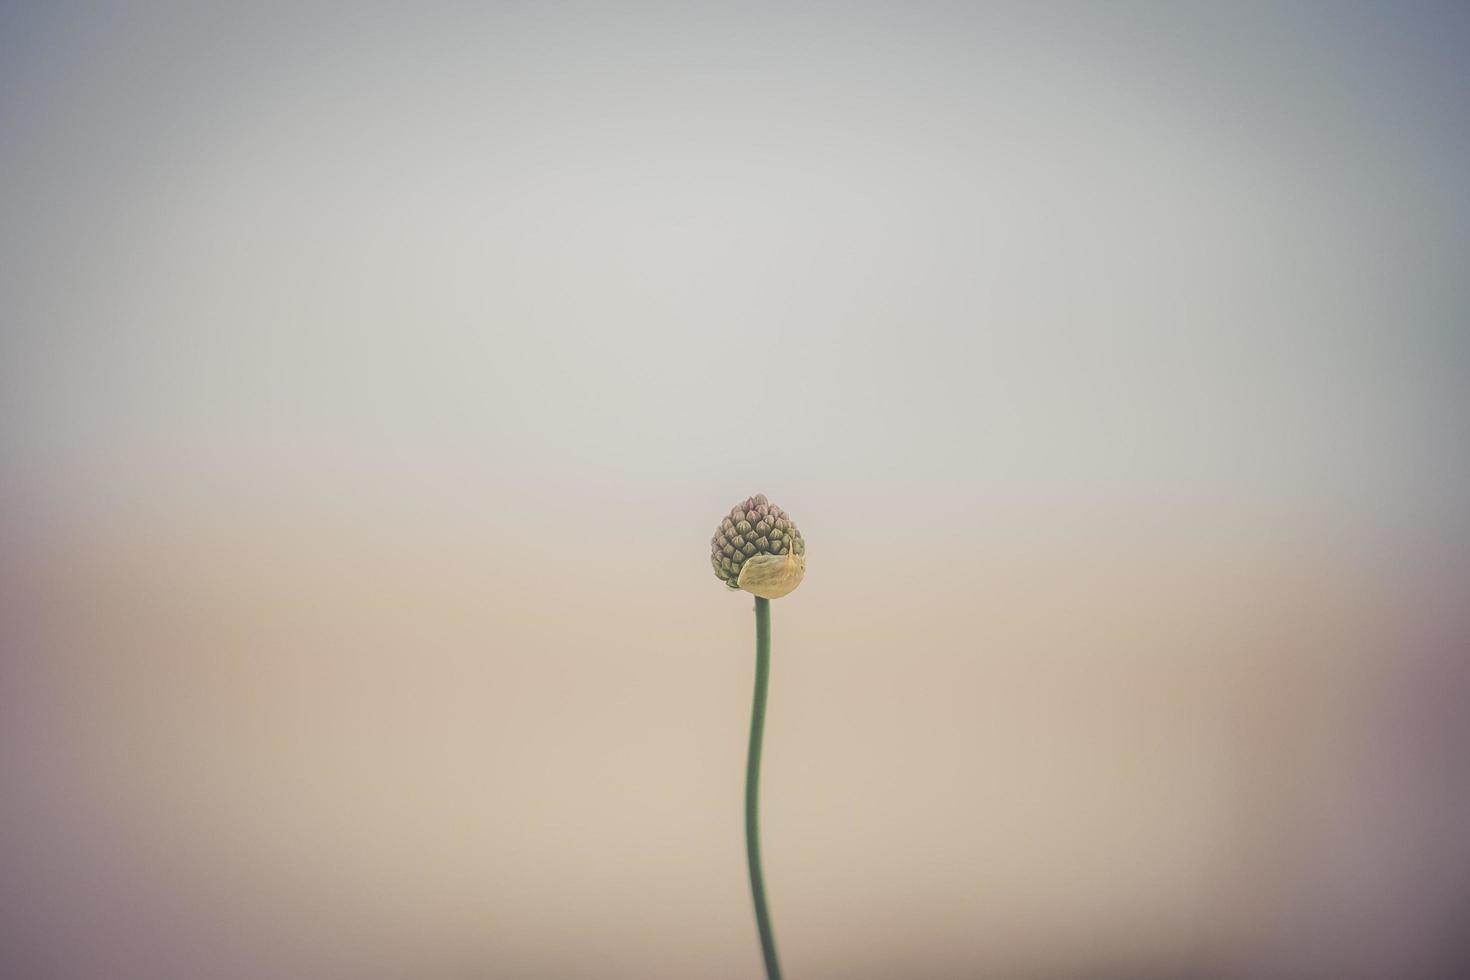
{"x":916,"y":230}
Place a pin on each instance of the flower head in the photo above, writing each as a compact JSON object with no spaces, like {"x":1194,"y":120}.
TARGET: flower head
{"x":758,"y":548}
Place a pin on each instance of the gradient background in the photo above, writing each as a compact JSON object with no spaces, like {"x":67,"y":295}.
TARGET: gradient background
{"x":373,"y":378}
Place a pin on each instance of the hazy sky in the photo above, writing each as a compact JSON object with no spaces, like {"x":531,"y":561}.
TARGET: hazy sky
{"x":1114,"y":359}
{"x":985,"y":252}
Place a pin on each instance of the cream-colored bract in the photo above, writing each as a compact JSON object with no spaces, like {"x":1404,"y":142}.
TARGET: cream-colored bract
{"x":772,"y":576}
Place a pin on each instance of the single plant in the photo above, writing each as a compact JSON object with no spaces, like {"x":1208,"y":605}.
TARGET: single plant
{"x":757,"y":548}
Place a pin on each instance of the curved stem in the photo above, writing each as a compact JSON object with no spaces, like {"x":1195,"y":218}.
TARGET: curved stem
{"x":752,"y":786}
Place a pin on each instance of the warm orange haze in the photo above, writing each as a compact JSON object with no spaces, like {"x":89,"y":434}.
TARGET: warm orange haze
{"x":371,"y":381}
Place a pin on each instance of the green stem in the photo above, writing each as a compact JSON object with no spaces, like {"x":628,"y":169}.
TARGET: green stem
{"x":752,"y":786}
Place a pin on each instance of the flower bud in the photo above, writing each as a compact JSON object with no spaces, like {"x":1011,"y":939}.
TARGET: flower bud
{"x":758,"y":548}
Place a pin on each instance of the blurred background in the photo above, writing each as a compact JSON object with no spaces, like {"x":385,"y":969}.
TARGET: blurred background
{"x":372,"y":379}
